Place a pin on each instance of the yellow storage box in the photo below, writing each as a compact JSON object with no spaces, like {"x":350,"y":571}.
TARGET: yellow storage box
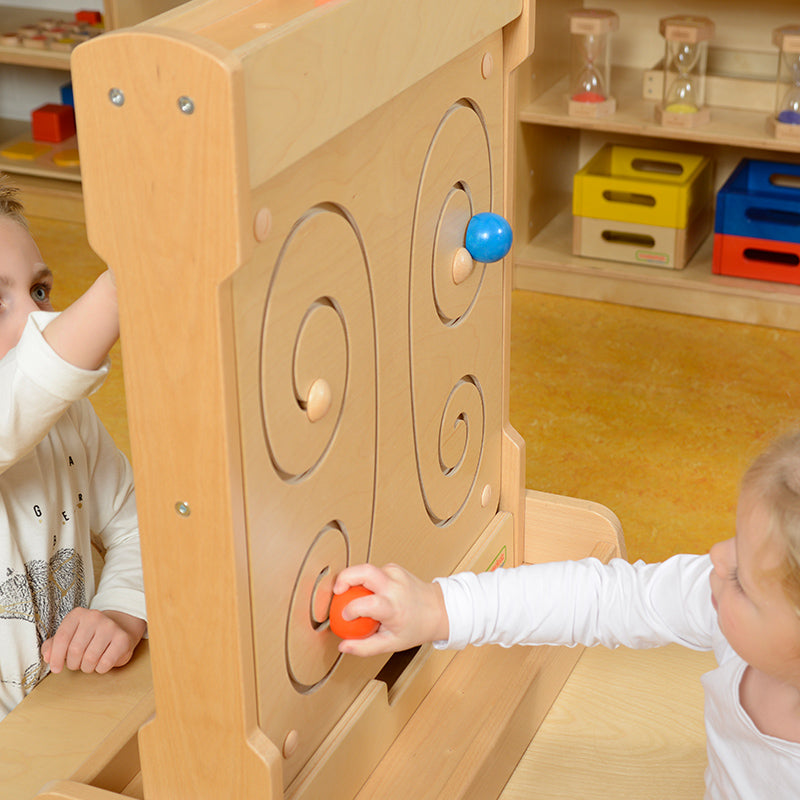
{"x":645,"y":187}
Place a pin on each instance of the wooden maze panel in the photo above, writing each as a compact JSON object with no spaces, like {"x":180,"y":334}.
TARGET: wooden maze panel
{"x":370,"y":382}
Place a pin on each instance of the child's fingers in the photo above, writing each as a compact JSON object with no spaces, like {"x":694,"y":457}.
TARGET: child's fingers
{"x":117,"y":653}
{"x":60,"y":642}
{"x":89,"y":641}
{"x":370,"y":605}
{"x":377,"y":644}
{"x":367,"y":575}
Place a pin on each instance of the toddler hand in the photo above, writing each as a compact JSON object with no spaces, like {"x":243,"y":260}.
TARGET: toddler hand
{"x":93,"y":641}
{"x":410,"y":611}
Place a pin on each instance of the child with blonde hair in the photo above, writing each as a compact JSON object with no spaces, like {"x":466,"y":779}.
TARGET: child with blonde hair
{"x":742,"y":601}
{"x":63,"y":483}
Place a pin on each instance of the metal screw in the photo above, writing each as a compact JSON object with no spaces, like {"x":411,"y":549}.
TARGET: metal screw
{"x":186,"y":104}
{"x":182,"y":507}
{"x":116,"y":97}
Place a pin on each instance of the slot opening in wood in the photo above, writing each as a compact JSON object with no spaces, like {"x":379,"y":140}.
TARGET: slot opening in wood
{"x":772,"y":257}
{"x":395,"y":667}
{"x":776,"y":216}
{"x":633,"y":239}
{"x":655,"y":165}
{"x":629,"y":197}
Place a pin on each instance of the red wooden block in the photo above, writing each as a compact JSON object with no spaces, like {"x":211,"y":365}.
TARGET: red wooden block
{"x":92,"y":17}
{"x":53,"y":123}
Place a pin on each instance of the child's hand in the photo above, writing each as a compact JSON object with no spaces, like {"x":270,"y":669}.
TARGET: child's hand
{"x":93,"y":641}
{"x":410,"y":611}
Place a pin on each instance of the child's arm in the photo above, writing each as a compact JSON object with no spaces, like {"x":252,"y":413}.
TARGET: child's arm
{"x":410,"y":611}
{"x":559,"y":603}
{"x":85,"y":331}
{"x":93,"y":641}
{"x":38,"y":380}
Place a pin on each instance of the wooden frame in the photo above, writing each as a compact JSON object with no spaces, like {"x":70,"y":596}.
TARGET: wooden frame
{"x":309,"y":387}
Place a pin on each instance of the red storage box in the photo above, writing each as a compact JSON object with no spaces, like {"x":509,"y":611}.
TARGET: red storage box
{"x":762,"y":259}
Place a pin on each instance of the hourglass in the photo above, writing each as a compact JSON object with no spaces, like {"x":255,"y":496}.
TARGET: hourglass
{"x":786,"y":122}
{"x":685,"y":56}
{"x":590,"y":68}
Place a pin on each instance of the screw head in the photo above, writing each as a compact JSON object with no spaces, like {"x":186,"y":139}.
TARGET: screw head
{"x":182,"y":508}
{"x":186,"y":104}
{"x":116,"y":96}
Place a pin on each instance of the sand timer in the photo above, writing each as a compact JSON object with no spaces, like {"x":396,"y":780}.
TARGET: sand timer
{"x":786,"y":122}
{"x":685,"y":57}
{"x":590,"y":68}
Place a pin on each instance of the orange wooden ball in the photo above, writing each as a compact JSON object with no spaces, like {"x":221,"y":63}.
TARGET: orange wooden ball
{"x":358,"y":628}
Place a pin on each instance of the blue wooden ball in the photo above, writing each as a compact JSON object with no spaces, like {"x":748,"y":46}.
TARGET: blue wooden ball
{"x":488,"y":237}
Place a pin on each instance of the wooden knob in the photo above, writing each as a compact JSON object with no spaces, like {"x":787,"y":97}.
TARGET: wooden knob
{"x":462,"y":265}
{"x":318,"y":403}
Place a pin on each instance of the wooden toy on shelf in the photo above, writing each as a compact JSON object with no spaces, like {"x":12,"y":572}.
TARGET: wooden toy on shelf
{"x":686,"y":52}
{"x":590,"y":62}
{"x":52,"y":122}
{"x":785,"y":123}
{"x":641,"y":206}
{"x":757,"y":223}
{"x":56,"y":34}
{"x":309,"y":201}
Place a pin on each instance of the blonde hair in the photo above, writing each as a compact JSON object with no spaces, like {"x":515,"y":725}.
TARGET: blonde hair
{"x":10,"y":205}
{"x":775,"y":475}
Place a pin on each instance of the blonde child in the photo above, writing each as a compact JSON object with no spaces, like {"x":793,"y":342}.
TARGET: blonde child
{"x":742,"y":601}
{"x":62,"y":480}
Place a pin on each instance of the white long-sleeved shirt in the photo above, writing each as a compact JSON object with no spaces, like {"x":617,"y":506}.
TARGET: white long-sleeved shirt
{"x":634,"y":605}
{"x":63,"y":482}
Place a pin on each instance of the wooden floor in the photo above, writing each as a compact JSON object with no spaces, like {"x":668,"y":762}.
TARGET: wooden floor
{"x":652,"y":414}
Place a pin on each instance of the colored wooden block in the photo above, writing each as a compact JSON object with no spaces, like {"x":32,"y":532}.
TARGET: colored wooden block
{"x":67,"y":97}
{"x":90,"y":17}
{"x":761,"y":200}
{"x":761,"y":259}
{"x":24,"y":151}
{"x":635,"y":243}
{"x":53,"y":123}
{"x":646,"y":187}
{"x":67,"y":158}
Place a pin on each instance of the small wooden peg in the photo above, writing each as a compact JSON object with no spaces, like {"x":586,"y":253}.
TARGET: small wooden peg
{"x":290,"y":743}
{"x":319,"y":400}
{"x":262,"y":224}
{"x":462,"y":265}
{"x":487,"y":66}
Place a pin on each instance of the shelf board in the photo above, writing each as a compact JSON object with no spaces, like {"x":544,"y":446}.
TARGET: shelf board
{"x":13,"y":131}
{"x":635,"y":116}
{"x":547,"y":265}
{"x":28,"y":57}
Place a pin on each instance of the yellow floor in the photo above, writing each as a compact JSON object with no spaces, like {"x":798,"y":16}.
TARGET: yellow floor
{"x":654,"y":415}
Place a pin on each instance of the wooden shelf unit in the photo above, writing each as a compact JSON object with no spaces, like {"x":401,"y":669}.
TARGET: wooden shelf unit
{"x":50,"y":189}
{"x":551,"y":146}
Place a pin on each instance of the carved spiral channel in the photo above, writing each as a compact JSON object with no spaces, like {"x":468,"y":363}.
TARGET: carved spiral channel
{"x":449,"y":412}
{"x":306,"y":341}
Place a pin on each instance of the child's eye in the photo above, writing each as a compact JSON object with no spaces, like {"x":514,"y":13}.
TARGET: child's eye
{"x":734,"y":576}
{"x":40,"y":293}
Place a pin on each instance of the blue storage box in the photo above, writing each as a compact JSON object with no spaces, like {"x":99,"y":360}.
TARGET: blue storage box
{"x":761,"y":200}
